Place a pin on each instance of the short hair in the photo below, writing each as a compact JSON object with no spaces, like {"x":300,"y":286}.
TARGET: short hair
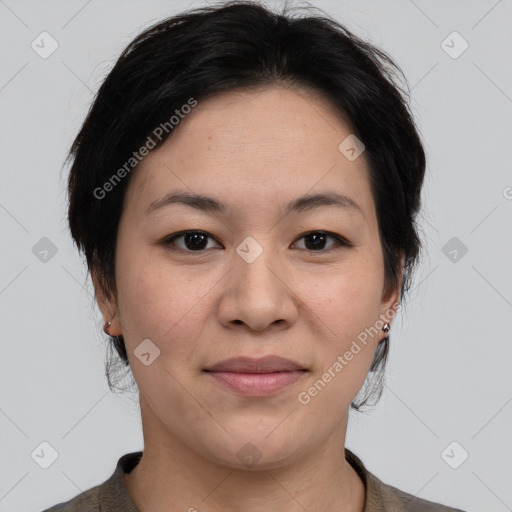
{"x":241,"y":46}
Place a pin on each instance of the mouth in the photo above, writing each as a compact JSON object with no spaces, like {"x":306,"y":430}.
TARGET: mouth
{"x":256,"y":377}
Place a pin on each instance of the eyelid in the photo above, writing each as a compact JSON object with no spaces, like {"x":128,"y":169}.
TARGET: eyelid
{"x":339,"y":240}
{"x":168,"y":240}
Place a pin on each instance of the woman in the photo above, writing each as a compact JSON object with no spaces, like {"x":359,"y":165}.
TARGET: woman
{"x":244,"y":189}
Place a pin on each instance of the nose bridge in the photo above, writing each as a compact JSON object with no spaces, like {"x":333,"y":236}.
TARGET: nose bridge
{"x":257,"y":267}
{"x":257,"y":293}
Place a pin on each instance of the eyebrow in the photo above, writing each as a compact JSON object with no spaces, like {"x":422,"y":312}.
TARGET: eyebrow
{"x":301,"y":204}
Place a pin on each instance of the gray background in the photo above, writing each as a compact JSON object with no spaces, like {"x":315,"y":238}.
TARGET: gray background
{"x":449,"y":374}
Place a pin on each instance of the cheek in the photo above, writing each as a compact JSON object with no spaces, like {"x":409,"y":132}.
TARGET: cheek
{"x":347,"y":302}
{"x":346,"y":307}
{"x":161,"y":302}
{"x":346,"y":348}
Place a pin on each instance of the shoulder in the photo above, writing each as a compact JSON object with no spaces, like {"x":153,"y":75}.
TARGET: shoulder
{"x":386,"y":498}
{"x":394,"y":499}
{"x":110,"y":496}
{"x":87,"y":501}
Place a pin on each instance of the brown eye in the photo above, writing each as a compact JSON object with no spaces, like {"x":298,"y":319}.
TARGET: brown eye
{"x":316,"y":241}
{"x":191,"y":241}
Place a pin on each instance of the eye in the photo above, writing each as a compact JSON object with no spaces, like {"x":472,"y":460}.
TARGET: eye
{"x":197,"y":241}
{"x":194,"y":241}
{"x":315,"y":241}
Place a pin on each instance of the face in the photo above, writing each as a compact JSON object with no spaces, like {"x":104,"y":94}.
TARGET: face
{"x":259,"y":270}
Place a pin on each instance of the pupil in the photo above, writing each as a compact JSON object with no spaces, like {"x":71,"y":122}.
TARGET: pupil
{"x":317,"y":238}
{"x":197,"y":241}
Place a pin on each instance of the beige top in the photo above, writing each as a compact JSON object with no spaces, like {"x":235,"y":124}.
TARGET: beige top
{"x":112,"y":495}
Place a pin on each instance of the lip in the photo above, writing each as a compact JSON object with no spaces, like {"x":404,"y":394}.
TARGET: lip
{"x":256,"y":377}
{"x":267,"y":364}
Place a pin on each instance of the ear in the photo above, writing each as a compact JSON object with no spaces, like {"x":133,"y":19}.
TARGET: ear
{"x":107,"y":304}
{"x":390,"y":299}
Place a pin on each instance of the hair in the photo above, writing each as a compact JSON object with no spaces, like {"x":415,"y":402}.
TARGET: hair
{"x":237,"y":46}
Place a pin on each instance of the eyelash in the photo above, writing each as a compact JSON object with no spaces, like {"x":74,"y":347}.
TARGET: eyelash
{"x":340,"y":242}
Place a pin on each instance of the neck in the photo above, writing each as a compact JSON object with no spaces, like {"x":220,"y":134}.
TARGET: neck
{"x":170,"y":477}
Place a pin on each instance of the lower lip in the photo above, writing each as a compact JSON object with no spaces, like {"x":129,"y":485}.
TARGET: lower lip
{"x":257,"y":384}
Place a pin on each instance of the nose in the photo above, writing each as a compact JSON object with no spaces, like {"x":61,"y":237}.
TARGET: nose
{"x":258,"y":294}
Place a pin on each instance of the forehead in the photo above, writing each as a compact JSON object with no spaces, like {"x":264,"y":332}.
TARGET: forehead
{"x":264,"y":146}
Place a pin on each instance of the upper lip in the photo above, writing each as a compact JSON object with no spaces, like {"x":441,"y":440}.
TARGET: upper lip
{"x":267,"y":364}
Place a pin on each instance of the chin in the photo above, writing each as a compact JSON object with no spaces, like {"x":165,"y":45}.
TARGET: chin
{"x":246,"y":450}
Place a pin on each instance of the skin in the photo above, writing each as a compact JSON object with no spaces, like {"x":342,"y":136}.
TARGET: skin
{"x":254,"y":152}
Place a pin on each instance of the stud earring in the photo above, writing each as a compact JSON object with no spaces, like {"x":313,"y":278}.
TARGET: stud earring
{"x":108,"y":323}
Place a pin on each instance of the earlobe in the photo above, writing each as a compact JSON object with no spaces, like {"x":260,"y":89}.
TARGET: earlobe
{"x":112,"y":328}
{"x":391,"y":297}
{"x":107,"y":325}
{"x":391,"y":303}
